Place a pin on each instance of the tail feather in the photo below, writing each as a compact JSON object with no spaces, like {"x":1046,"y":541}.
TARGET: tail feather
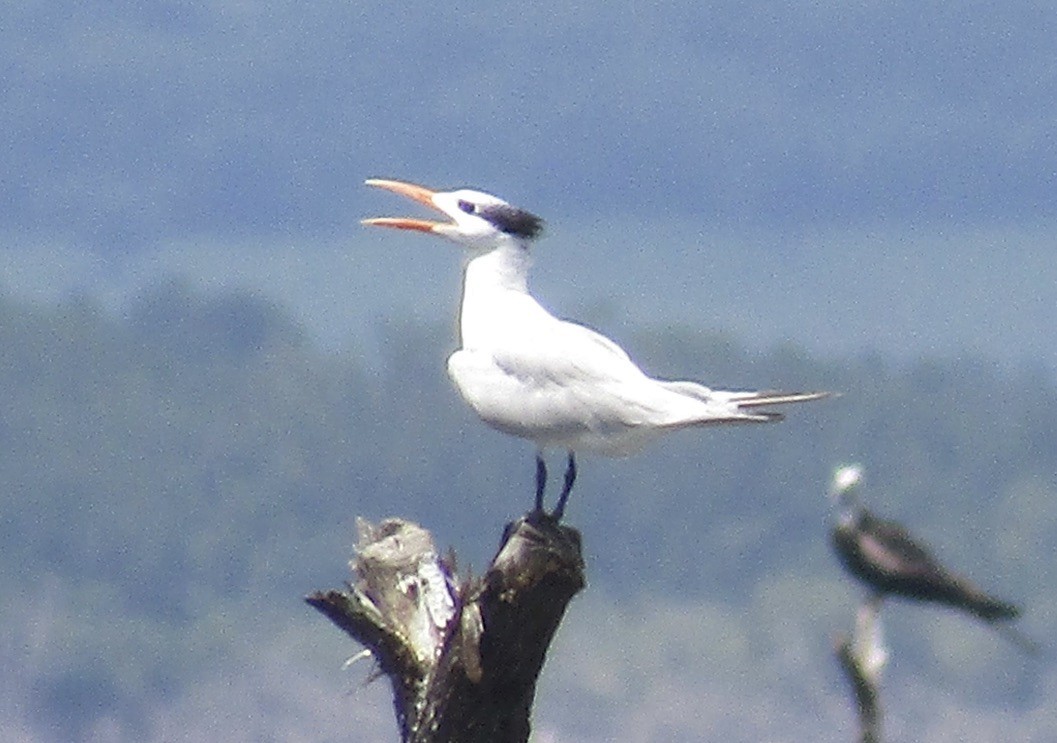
{"x":992,"y":609}
{"x":743,"y":399}
{"x":748,"y":402}
{"x":771,"y":397}
{"x":1027,"y":645}
{"x":728,"y":406}
{"x":998,"y":614}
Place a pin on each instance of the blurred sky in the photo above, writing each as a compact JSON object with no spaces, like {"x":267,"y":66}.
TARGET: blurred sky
{"x":842,"y":175}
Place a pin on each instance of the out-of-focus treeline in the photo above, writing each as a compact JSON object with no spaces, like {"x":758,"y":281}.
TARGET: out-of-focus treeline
{"x":196,"y":463}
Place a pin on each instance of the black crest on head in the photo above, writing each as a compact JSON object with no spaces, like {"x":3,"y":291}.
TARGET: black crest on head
{"x":513,"y":221}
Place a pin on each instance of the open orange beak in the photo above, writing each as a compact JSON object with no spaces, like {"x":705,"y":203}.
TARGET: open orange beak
{"x":421,"y":194}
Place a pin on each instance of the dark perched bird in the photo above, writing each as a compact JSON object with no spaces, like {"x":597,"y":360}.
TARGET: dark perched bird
{"x":883,"y":556}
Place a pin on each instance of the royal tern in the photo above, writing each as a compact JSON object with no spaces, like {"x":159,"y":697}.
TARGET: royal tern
{"x":889,"y":562}
{"x":556,"y":383}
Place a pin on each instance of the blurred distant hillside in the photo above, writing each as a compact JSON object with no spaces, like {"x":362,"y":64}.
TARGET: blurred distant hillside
{"x":173,"y":479}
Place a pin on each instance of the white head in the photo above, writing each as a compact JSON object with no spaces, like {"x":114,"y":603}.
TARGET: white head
{"x":846,"y":477}
{"x":478,"y":220}
{"x":844,"y":489}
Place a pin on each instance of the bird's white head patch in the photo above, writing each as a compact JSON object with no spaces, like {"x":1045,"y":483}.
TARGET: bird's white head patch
{"x":846,"y":477}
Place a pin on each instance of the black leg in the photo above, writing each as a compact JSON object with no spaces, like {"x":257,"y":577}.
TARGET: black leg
{"x":570,"y":478}
{"x":541,"y":480}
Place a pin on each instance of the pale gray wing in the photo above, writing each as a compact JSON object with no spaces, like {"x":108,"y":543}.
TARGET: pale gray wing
{"x":573,"y":371}
{"x":568,"y":354}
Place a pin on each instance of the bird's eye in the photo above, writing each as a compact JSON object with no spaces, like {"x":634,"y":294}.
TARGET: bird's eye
{"x":468,"y":206}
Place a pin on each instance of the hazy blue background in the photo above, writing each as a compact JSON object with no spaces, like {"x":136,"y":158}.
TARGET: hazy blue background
{"x":842,"y":178}
{"x":843,"y":175}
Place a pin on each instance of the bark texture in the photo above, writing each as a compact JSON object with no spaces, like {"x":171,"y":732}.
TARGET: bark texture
{"x":462,"y":656}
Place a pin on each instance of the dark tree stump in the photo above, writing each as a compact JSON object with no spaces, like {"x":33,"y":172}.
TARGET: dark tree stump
{"x":864,"y":690}
{"x":462,"y":658}
{"x":863,"y":658}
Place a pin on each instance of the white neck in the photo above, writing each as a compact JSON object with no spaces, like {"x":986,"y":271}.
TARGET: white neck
{"x":848,"y":508}
{"x":493,"y":284}
{"x":505,"y":267}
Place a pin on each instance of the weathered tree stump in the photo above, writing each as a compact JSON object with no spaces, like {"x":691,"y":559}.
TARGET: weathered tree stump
{"x":462,"y":657}
{"x":863,"y":658}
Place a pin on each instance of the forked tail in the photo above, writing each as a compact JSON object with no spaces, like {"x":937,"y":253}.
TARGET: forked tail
{"x":749,"y":401}
{"x":1027,"y":645}
{"x":729,"y":406}
{"x":989,"y":608}
{"x":770,"y":397}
